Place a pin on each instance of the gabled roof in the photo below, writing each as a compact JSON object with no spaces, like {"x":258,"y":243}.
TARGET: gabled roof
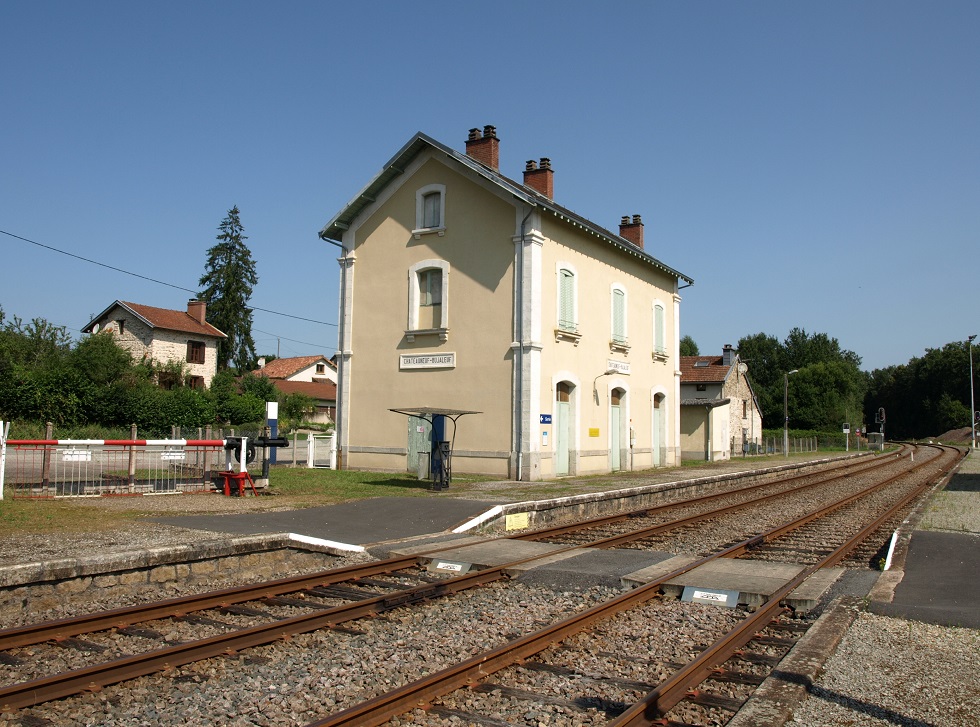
{"x":321,"y":391}
{"x":704,"y":369}
{"x":163,"y":318}
{"x":283,"y":368}
{"x":396,"y":166}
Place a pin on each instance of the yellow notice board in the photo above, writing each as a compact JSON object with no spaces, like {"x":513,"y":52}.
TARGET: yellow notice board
{"x":594,"y":432}
{"x":517,"y":521}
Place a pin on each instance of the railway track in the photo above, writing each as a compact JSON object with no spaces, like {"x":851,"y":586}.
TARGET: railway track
{"x":606,"y":693}
{"x":369,"y":590}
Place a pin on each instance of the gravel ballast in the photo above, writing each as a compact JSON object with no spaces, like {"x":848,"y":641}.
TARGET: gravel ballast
{"x":885,"y":671}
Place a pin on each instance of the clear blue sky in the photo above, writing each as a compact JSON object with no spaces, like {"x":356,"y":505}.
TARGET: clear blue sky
{"x":808,"y":164}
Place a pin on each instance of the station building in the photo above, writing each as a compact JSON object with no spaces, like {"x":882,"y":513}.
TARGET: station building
{"x":538,"y":343}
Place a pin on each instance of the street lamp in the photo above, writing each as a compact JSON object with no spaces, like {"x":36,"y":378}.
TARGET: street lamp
{"x":973,"y":423}
{"x":786,"y":410}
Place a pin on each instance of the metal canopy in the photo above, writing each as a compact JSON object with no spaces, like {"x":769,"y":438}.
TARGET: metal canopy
{"x":442,"y":464}
{"x":422,"y":412}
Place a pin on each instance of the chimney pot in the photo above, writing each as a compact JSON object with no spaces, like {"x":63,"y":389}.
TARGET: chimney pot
{"x":197,"y":309}
{"x":484,"y":149}
{"x":541,"y":179}
{"x":632,"y":230}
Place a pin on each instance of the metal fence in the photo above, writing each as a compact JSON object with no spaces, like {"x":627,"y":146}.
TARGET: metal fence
{"x":91,"y":468}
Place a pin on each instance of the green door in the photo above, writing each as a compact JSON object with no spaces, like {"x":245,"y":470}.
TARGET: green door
{"x":563,"y":426}
{"x":419,"y":442}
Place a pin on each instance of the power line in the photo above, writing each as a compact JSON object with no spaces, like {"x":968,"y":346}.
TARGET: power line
{"x":159,"y":282}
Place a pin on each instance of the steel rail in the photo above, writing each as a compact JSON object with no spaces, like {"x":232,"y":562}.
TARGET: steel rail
{"x":860,"y":466}
{"x":651,"y":709}
{"x":61,"y":629}
{"x":26,"y":694}
{"x":124,"y":617}
{"x":421,"y":693}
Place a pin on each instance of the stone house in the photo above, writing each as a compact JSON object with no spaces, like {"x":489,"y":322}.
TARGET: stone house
{"x":720,"y":413}
{"x":164,"y":336}
{"x":463,"y":290}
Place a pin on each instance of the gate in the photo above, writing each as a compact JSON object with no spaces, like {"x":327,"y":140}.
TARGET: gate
{"x":321,"y":451}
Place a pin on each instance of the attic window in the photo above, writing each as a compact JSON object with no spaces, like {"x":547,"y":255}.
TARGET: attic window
{"x":430,"y":210}
{"x":321,"y":368}
{"x":701,"y":364}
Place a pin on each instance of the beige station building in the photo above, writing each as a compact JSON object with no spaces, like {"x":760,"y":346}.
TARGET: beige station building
{"x":476,"y":310}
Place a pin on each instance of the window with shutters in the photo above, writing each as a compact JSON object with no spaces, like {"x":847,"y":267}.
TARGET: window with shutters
{"x":567,"y":306}
{"x":195,"y":352}
{"x":428,"y":294}
{"x":618,"y":340}
{"x":659,"y":335}
{"x":430,"y":210}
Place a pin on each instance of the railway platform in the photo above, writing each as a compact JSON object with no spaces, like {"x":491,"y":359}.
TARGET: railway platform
{"x":932,"y":579}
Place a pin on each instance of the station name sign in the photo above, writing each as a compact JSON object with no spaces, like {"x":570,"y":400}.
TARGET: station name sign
{"x":621,"y":367}
{"x":427,"y":361}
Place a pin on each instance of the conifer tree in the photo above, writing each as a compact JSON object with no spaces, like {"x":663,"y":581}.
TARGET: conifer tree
{"x":229,"y":276}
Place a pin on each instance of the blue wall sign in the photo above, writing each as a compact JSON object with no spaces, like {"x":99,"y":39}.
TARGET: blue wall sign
{"x":546,"y":418}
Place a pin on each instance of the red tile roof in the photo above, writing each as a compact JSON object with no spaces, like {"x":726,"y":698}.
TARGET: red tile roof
{"x":321,"y":392}
{"x":711,"y":370}
{"x":283,"y":368}
{"x":172,"y":320}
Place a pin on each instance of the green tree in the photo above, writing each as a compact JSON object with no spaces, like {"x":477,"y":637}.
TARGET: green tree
{"x":827,"y":390}
{"x":927,"y":396}
{"x":228,"y":280}
{"x":688,"y":346}
{"x":99,"y":359}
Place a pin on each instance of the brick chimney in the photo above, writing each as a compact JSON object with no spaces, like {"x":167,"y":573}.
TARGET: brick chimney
{"x":197,"y":309}
{"x":727,"y":354}
{"x":484,"y":148}
{"x":632,"y":231}
{"x":541,"y":179}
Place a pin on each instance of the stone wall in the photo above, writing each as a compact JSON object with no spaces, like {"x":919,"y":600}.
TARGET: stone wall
{"x":28,"y":590}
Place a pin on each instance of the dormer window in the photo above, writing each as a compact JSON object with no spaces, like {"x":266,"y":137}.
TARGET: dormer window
{"x":430,"y":210}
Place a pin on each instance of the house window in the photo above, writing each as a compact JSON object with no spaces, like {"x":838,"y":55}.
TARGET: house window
{"x":702,"y":387}
{"x":618,"y":318}
{"x":566,"y":301}
{"x":659,"y":344}
{"x":745,"y":409}
{"x":321,"y":369}
{"x":121,"y":325}
{"x":430,"y":209}
{"x":428,"y":297}
{"x":195,"y":382}
{"x":195,"y":352}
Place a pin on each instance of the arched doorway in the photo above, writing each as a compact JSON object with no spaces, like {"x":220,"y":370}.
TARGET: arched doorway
{"x":659,"y":430}
{"x":563,"y":425}
{"x":617,"y":436}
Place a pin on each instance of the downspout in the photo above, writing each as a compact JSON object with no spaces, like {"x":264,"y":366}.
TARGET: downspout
{"x":342,"y":367}
{"x":520,"y":351}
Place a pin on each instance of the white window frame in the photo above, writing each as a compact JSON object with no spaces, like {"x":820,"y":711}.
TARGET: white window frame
{"x":622,"y":343}
{"x":420,"y":195}
{"x":565,"y":332}
{"x":415,"y":298}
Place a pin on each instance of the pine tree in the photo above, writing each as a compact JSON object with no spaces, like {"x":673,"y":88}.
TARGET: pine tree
{"x":229,"y":276}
